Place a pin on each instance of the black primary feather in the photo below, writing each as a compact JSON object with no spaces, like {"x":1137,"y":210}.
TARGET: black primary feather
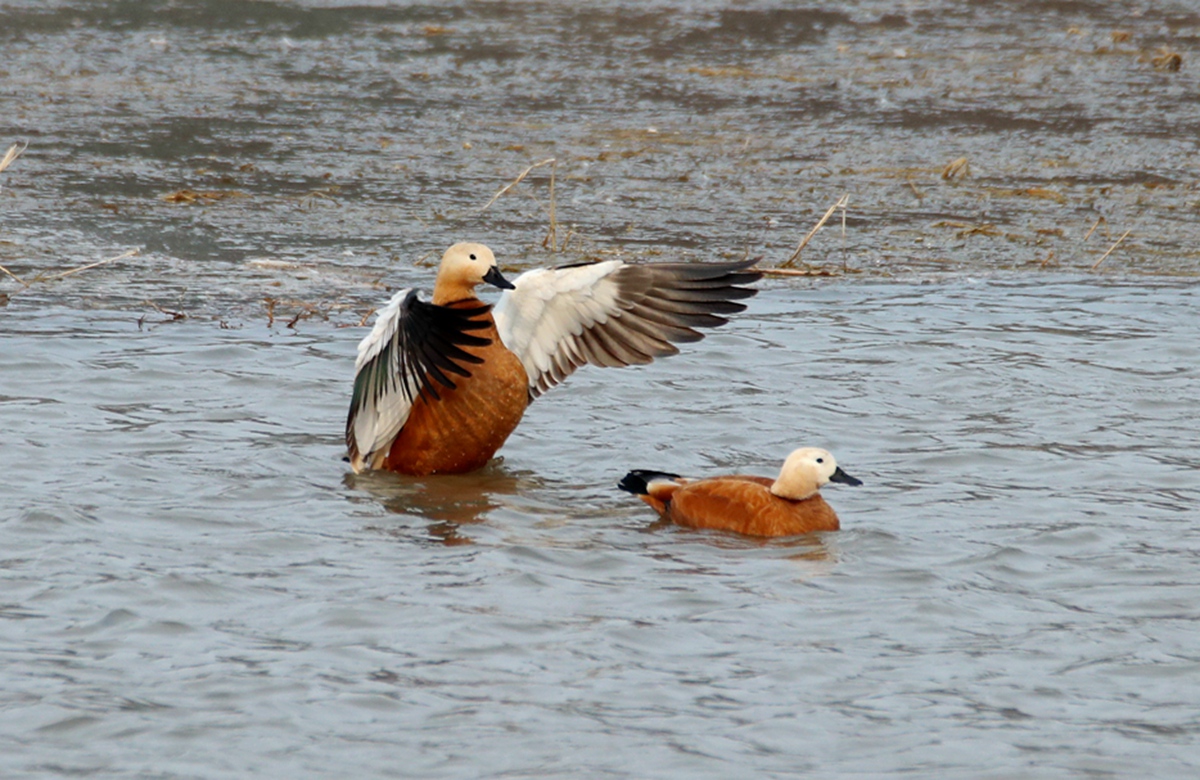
{"x":425,"y":350}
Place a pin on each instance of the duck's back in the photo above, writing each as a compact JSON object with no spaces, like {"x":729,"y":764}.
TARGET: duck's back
{"x":746,"y":505}
{"x":462,"y":431}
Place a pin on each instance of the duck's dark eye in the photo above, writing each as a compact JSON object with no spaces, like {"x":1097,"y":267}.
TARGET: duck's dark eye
{"x":820,"y":460}
{"x":473,"y":257}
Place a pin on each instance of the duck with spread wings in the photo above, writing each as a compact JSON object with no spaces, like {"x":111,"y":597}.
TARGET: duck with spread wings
{"x":440,"y":385}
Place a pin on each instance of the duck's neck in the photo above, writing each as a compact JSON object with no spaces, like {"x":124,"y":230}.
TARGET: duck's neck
{"x":448,"y":292}
{"x":794,"y":487}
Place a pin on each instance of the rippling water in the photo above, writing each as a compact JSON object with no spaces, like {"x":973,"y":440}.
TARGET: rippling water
{"x":192,"y":585}
{"x":345,"y":138}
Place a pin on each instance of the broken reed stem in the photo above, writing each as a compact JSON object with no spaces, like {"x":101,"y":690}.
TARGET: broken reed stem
{"x":844,"y":268}
{"x":12,"y":154}
{"x":1093,"y":230}
{"x":71,"y":272}
{"x":517,"y":181}
{"x":841,"y":204}
{"x":1111,"y":248}
{"x":551,"y":239}
{"x":96,"y":264}
{"x":14,"y":277}
{"x":791,"y":272}
{"x":174,"y":315}
{"x":955,"y":167}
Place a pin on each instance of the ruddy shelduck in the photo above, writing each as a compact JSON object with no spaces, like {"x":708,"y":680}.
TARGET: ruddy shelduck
{"x":440,"y":385}
{"x":756,"y":506}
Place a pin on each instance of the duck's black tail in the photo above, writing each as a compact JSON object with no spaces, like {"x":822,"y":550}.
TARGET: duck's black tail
{"x":638,"y":480}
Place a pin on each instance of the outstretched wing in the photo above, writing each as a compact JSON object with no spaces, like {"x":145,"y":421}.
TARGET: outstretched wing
{"x":613,"y":313}
{"x":412,"y":349}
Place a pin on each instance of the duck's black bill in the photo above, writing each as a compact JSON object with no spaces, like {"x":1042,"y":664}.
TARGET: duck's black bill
{"x":843,"y":477}
{"x":494,"y":277}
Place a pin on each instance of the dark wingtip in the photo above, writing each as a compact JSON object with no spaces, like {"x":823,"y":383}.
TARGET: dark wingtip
{"x":844,"y":478}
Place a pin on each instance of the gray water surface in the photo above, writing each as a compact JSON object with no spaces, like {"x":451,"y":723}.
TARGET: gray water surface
{"x":352,"y":139}
{"x":193,"y":585}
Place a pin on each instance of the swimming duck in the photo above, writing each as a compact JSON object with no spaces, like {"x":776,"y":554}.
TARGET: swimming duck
{"x":440,"y":385}
{"x":756,"y":506}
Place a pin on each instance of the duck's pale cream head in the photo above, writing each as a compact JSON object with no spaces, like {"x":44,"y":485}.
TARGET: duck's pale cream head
{"x":805,"y":471}
{"x":463,"y":267}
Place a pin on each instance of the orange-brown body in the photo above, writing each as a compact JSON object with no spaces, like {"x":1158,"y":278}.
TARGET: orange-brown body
{"x":462,"y":431}
{"x":744,"y":504}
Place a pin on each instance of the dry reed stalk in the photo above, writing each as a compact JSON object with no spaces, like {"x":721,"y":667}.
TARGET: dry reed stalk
{"x":205,"y":197}
{"x":12,"y":154}
{"x":1116,"y":243}
{"x":14,"y":277}
{"x":795,"y":271}
{"x":89,"y":266}
{"x":174,"y":315}
{"x":516,"y":181}
{"x":551,"y":239}
{"x":986,"y":229}
{"x":1167,"y":59}
{"x":844,"y":263}
{"x":309,"y":199}
{"x":303,"y":314}
{"x":1099,"y":221}
{"x":955,"y":168}
{"x":841,"y":204}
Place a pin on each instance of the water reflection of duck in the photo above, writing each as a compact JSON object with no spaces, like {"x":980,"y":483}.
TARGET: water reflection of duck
{"x":439,"y":386}
{"x":445,"y":502}
{"x":757,"y":506}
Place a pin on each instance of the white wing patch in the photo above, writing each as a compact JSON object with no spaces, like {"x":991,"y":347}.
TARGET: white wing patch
{"x":549,"y":309}
{"x":612,"y":313}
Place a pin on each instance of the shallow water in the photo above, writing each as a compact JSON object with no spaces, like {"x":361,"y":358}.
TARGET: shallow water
{"x":194,"y":586}
{"x":353,"y":140}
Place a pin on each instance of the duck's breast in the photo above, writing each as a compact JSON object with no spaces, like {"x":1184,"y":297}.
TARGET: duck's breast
{"x":464,"y":426}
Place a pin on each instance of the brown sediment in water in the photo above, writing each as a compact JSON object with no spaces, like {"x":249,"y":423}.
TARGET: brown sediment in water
{"x":704,"y":132}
